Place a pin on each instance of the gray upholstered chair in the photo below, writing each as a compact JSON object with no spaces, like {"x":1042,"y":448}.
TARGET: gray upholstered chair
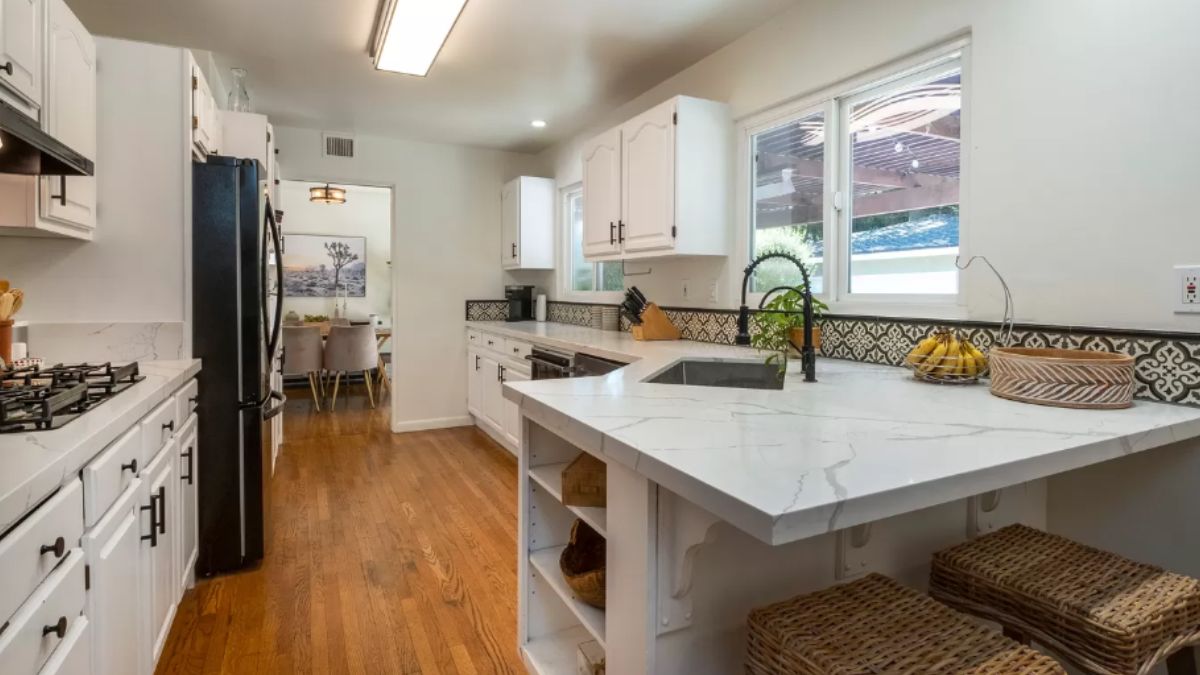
{"x":351,"y":349}
{"x":304,"y":354}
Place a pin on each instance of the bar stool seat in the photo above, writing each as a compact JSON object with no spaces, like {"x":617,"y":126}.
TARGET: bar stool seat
{"x":874,"y":626}
{"x":1102,"y":612}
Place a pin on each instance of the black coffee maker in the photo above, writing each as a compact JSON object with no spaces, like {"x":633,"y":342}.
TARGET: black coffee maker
{"x":520,"y":303}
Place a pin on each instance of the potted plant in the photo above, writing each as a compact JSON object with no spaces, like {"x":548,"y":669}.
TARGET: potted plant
{"x":780,"y":327}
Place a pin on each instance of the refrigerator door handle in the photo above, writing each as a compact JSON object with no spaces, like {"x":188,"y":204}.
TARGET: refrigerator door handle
{"x":272,"y":328}
{"x":274,"y":410}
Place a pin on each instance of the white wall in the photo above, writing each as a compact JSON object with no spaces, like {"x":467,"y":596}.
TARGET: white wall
{"x":446,"y":235}
{"x":1081,"y":174}
{"x":366,"y":213}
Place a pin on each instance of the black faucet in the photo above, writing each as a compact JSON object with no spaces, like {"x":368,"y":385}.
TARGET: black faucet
{"x":808,"y":354}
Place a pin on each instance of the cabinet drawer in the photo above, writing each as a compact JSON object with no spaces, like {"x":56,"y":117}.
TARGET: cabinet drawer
{"x":23,"y":563}
{"x":517,"y":350}
{"x":493,"y":342}
{"x":72,"y":657}
{"x":185,"y":401}
{"x":31,"y":636}
{"x":157,"y":428}
{"x":474,"y":338}
{"x":106,"y":476}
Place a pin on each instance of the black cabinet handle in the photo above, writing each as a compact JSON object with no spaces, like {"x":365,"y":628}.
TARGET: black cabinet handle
{"x":62,"y":191}
{"x":153,"y":536}
{"x":162,"y":509}
{"x":502,"y":373}
{"x":188,"y":455}
{"x":193,"y":399}
{"x":131,"y":467}
{"x":612,"y":233}
{"x":169,"y":425}
{"x":7,"y":67}
{"x":516,"y":350}
{"x":59,"y":628}
{"x":514,"y":249}
{"x":621,"y":231}
{"x":499,"y":377}
{"x":58,"y":548}
{"x":476,"y":362}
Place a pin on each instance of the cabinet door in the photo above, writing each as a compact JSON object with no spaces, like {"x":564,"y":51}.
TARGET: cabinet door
{"x":602,"y":193}
{"x":489,"y":375}
{"x":474,"y":382}
{"x":648,"y":179}
{"x":70,"y":115}
{"x":114,"y":603}
{"x":188,"y":524}
{"x":510,"y":224}
{"x":202,"y":114}
{"x":512,"y":412}
{"x":21,"y":35}
{"x":161,"y":588}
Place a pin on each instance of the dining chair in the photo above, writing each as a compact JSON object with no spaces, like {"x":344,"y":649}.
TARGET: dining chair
{"x":351,"y":349}
{"x":303,"y":354}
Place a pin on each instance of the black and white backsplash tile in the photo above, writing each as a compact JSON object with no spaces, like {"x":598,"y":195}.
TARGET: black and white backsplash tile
{"x":1167,"y":368}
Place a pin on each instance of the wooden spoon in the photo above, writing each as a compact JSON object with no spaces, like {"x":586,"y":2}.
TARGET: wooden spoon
{"x":6,"y":305}
{"x":4,"y":285}
{"x":18,"y":300}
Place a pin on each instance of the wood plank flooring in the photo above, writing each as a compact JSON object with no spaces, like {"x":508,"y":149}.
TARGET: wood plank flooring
{"x":388,"y":553}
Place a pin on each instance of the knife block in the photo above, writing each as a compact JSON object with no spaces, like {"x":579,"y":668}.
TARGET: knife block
{"x":655,"y":325}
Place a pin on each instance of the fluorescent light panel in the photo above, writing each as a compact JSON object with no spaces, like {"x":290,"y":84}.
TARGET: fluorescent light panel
{"x":414,"y":34}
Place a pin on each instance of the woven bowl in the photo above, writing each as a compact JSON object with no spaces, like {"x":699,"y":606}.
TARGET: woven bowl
{"x":583,"y":564}
{"x":1067,"y":378}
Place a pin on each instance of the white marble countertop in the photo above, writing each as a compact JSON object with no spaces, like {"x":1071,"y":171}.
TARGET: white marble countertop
{"x":32,"y":465}
{"x":863,"y":443}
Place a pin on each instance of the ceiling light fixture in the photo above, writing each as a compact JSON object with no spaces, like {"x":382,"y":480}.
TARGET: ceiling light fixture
{"x":412,"y":32}
{"x":538,"y":124}
{"x":327,"y":194}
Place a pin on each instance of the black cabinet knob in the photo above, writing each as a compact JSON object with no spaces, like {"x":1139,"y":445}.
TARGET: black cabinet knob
{"x":58,"y":628}
{"x":169,"y":425}
{"x":7,"y":67}
{"x":131,"y":467}
{"x":58,"y":548}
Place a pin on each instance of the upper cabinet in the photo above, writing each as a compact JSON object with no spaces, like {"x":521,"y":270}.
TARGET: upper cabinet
{"x":70,"y":116}
{"x":251,"y":136}
{"x":22,"y":24}
{"x":660,"y":184}
{"x":527,"y":224}
{"x":206,"y":116}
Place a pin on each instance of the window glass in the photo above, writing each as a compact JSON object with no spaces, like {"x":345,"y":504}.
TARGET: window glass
{"x":905,"y":157}
{"x":586,"y":276}
{"x":789,"y":201}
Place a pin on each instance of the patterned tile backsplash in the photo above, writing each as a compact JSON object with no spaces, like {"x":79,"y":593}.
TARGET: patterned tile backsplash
{"x":1168,"y":364}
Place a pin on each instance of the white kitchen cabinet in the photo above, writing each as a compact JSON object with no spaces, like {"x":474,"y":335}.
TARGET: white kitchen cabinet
{"x":475,"y":382}
{"x":674,"y":187}
{"x":70,"y":116}
{"x":251,"y":136}
{"x":493,"y":397}
{"x":602,"y":193}
{"x":22,"y":31}
{"x":527,"y":224}
{"x":189,"y":536}
{"x":160,"y":585}
{"x":511,"y":411}
{"x":206,"y":120}
{"x":114,"y":553}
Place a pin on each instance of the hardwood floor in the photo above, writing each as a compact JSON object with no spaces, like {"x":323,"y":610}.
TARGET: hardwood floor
{"x":388,"y":554}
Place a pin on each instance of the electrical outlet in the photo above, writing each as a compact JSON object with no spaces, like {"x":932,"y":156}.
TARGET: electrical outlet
{"x":686,"y":289}
{"x":1188,"y":289}
{"x":712,"y":291}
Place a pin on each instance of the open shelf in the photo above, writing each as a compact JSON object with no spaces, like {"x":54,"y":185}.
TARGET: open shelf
{"x":549,"y":476}
{"x":555,"y":654}
{"x":545,"y":562}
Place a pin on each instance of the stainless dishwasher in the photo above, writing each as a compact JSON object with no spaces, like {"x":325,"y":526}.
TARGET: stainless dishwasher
{"x":552,"y":364}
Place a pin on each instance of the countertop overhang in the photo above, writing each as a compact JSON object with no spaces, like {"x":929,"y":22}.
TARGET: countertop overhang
{"x":34,"y":464}
{"x":863,"y":443}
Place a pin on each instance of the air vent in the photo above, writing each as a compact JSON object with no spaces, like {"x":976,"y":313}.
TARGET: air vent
{"x":338,"y":145}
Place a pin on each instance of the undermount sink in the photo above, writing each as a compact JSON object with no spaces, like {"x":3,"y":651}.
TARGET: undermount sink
{"x":721,"y":373}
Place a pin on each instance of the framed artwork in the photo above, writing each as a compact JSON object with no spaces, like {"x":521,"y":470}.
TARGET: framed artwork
{"x":319,"y":266}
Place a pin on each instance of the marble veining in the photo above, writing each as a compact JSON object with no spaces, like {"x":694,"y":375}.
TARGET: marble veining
{"x":863,"y":443}
{"x":100,"y":342}
{"x":34,"y":464}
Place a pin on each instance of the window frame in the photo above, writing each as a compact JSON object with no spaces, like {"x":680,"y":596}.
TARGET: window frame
{"x":566,"y":291}
{"x":836,"y":102}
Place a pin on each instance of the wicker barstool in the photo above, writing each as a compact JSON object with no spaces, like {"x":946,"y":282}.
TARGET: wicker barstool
{"x":1104,"y":613}
{"x":874,"y":625}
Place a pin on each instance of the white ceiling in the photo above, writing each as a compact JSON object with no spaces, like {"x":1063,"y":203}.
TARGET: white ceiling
{"x":507,"y":61}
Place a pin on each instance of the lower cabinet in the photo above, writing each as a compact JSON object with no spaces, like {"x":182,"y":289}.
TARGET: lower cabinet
{"x":474,"y":382}
{"x":160,"y":585}
{"x":189,"y":540}
{"x":493,"y":398}
{"x":114,"y":551}
{"x":491,"y":364}
{"x":512,"y":412}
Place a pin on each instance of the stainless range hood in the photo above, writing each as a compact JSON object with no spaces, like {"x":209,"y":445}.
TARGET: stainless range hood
{"x":26,"y":149}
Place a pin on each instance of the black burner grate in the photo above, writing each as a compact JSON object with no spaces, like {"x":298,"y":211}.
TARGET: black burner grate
{"x":36,"y":398}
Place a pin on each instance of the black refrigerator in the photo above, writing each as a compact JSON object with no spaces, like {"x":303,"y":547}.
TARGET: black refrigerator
{"x":236,"y":327}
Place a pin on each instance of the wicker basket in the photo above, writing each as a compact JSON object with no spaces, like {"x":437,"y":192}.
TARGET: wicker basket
{"x":1068,"y":378}
{"x":875,"y":625}
{"x":1105,"y":613}
{"x":583,"y":562}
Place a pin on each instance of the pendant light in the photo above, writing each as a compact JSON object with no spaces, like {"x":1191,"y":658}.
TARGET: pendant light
{"x":327,"y":194}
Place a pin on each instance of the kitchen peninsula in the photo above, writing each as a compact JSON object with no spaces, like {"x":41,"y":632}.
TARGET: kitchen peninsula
{"x":723,"y":499}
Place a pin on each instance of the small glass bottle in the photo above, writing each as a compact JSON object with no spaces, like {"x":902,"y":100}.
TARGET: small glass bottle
{"x":239,"y":98}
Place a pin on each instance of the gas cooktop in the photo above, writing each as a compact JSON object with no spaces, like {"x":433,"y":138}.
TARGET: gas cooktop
{"x":37,"y":398}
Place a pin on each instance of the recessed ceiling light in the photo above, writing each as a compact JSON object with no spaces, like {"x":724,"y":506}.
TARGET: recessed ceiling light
{"x":538,"y":124}
{"x":412,"y":32}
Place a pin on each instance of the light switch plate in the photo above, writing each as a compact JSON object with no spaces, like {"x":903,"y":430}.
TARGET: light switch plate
{"x":1187,"y":289}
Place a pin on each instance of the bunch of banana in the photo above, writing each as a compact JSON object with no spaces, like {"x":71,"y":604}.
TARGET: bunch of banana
{"x":944,"y":356}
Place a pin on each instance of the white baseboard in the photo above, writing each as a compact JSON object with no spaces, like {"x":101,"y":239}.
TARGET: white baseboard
{"x":436,"y":423}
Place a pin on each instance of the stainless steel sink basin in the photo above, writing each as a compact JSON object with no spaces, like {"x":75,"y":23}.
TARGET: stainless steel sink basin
{"x":721,"y":373}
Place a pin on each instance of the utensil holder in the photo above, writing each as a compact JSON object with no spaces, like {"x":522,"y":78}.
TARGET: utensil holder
{"x":6,"y":340}
{"x":655,"y":325}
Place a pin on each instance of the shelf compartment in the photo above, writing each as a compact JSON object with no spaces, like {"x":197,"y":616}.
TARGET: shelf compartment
{"x":549,"y":476}
{"x":545,"y":561}
{"x":555,"y":654}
